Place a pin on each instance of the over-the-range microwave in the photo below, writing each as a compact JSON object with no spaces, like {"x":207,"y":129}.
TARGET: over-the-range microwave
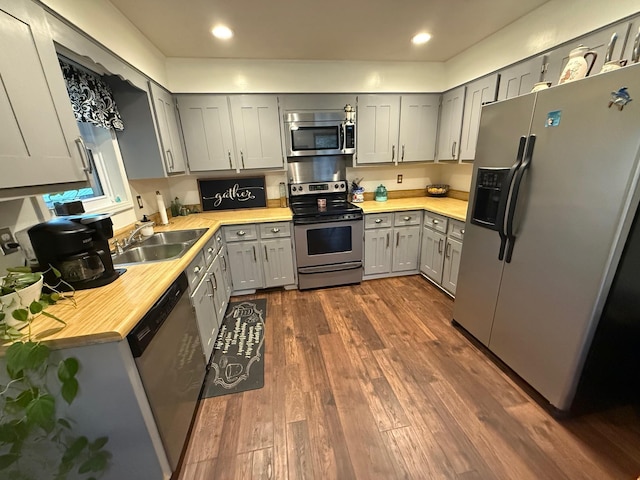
{"x":319,"y":133}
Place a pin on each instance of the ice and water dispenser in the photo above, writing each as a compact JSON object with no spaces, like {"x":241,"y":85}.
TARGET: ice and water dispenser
{"x":488,"y":196}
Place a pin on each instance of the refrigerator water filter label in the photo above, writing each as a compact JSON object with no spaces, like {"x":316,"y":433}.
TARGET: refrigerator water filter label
{"x":553,"y":118}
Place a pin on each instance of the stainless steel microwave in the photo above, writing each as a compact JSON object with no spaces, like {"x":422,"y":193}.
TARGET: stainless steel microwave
{"x":319,"y":133}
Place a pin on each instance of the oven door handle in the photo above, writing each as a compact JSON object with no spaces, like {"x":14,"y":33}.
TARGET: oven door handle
{"x":330,"y":268}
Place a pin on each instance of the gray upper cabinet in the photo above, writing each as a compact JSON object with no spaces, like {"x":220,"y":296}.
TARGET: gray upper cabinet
{"x":39,"y":139}
{"x":450,"y":124}
{"x":206,"y":127}
{"x":418,"y":127}
{"x":256,"y":124}
{"x":479,"y":92}
{"x":557,"y":59}
{"x":231,"y":132}
{"x":315,"y":102}
{"x":377,"y":121}
{"x":520,"y":78}
{"x":396,"y":128}
{"x":167,"y":121}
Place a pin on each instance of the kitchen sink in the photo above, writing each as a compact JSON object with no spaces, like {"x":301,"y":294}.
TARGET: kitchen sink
{"x":176,"y":236}
{"x":159,"y":247}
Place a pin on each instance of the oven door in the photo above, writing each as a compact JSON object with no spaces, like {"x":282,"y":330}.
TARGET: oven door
{"x":328,"y":244}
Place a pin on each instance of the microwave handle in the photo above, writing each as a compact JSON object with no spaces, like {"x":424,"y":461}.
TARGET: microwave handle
{"x":343,"y":136}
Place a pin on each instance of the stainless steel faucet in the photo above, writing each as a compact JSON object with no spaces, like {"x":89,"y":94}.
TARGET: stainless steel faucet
{"x":131,"y":239}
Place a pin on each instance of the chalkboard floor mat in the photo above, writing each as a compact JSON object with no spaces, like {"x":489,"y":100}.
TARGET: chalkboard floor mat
{"x":237,"y":362}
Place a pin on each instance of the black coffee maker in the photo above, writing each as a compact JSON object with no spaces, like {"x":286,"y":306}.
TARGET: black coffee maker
{"x":78,"y":246}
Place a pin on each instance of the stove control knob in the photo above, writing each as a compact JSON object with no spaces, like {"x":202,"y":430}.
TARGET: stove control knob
{"x":342,"y":185}
{"x":336,"y":186}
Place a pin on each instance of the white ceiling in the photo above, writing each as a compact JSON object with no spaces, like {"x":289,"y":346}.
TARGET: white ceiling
{"x":372,"y":30}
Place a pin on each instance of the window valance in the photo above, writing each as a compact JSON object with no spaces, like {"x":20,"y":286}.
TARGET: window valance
{"x":91,"y":98}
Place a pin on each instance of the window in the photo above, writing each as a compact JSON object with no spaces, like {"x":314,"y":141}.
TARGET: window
{"x":109,"y":190}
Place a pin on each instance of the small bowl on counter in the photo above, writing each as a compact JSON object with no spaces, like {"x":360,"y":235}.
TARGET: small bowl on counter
{"x":437,"y":190}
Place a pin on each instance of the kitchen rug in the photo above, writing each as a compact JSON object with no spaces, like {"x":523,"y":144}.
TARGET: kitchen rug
{"x":237,"y":363}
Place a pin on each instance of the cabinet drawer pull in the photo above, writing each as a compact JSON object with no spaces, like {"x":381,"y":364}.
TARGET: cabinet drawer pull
{"x":275,"y":230}
{"x":435,"y":222}
{"x":219,"y":239}
{"x":378,"y":220}
{"x":462,"y":231}
{"x":241,"y":233}
{"x":406,"y":219}
{"x":196,"y":269}
{"x":266,"y":254}
{"x":210,"y":250}
{"x":440,"y":246}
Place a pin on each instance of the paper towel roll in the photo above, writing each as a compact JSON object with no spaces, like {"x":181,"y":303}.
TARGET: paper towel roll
{"x":162,"y":209}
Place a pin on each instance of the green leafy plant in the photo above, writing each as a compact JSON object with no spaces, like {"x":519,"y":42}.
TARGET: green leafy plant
{"x":34,"y":439}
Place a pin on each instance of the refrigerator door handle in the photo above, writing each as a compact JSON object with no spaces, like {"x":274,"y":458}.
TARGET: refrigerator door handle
{"x":514,"y":196}
{"x":502,"y":206}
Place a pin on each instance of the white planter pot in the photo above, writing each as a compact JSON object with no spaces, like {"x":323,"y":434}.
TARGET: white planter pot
{"x":20,"y":299}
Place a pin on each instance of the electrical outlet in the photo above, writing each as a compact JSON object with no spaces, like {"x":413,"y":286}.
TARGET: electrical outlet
{"x":7,"y":242}
{"x":399,"y":178}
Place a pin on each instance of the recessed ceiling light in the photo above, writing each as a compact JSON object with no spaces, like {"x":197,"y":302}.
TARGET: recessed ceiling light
{"x":222,"y":32}
{"x":421,"y":38}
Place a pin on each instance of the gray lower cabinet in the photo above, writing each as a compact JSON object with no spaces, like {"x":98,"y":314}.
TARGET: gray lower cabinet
{"x":441,"y":249}
{"x":391,"y":243}
{"x":260,"y":255}
{"x":432,"y":254}
{"x":39,"y":134}
{"x":202,"y":300}
{"x":377,"y":251}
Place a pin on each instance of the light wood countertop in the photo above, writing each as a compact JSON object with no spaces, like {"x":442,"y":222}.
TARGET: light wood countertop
{"x":109,"y":313}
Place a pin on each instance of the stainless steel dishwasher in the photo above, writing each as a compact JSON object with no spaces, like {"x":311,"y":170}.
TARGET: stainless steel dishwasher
{"x":168,"y":353}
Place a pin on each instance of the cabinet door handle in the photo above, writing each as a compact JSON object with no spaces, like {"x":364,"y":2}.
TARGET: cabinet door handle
{"x":378,"y":220}
{"x":447,"y":252}
{"x":388,"y":234}
{"x":397,"y":238}
{"x":229,"y":155}
{"x":255,"y":257}
{"x":241,"y":233}
{"x":402,"y":158}
{"x":440,"y":246}
{"x":213,"y":274}
{"x":266,"y":254}
{"x":224,"y":260}
{"x":242,"y":158}
{"x":84,"y":156}
{"x":212,"y":288}
{"x":275,"y":230}
{"x":406,"y":219}
{"x":453,"y":149}
{"x":393,"y":152}
{"x":170,"y":157}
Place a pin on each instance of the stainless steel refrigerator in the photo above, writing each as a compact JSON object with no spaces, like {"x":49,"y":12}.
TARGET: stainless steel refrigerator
{"x":553,"y":198}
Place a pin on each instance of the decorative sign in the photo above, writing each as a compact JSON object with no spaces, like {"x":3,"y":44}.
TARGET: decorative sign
{"x":231,"y":193}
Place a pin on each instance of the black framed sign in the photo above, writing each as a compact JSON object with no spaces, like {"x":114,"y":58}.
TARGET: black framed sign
{"x":231,"y":193}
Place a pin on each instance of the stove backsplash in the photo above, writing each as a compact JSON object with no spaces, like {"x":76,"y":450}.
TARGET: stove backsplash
{"x":330,"y":168}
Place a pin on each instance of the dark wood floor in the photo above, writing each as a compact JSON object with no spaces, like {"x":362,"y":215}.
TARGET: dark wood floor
{"x":372,"y":382}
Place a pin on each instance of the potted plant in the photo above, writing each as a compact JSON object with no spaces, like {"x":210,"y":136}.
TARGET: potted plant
{"x":35,"y":441}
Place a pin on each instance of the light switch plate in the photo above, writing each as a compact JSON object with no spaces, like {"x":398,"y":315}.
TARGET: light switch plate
{"x":7,"y":241}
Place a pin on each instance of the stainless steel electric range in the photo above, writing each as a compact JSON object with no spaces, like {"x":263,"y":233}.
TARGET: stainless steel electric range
{"x":328,"y":229}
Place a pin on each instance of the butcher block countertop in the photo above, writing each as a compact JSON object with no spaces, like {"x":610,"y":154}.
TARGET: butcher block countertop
{"x":109,"y":313}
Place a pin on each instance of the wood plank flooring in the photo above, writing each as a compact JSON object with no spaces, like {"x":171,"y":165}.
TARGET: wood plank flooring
{"x":372,"y":382}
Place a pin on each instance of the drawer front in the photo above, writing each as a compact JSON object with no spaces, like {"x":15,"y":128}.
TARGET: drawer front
{"x":275,"y":230}
{"x":211,"y":248}
{"x":407,"y":218}
{"x":195,"y":270}
{"x":456,"y":229}
{"x":435,"y":221}
{"x":238,"y":233}
{"x":378,"y":220}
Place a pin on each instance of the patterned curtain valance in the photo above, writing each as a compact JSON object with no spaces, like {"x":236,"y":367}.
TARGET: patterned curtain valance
{"x":91,"y":98}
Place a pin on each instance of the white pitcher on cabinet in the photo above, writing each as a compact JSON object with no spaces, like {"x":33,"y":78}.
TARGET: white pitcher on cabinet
{"x":578,"y":66}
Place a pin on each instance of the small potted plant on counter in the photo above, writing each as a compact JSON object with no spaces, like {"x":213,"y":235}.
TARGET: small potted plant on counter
{"x":35,"y":440}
